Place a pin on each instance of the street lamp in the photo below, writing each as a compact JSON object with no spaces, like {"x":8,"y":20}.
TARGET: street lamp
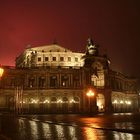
{"x":1,"y":73}
{"x":90,"y":94}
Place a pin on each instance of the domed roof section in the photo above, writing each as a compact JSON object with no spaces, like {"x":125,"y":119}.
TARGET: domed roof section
{"x":50,"y":48}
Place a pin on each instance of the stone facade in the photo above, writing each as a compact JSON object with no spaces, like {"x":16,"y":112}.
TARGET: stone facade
{"x":53,"y":79}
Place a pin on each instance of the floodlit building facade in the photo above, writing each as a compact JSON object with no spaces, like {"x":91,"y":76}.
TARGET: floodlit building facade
{"x":53,"y":79}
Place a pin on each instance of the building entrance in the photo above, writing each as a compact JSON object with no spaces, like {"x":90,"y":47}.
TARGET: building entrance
{"x":100,"y":102}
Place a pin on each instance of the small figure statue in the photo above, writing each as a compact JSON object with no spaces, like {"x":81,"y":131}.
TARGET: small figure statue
{"x":91,"y":48}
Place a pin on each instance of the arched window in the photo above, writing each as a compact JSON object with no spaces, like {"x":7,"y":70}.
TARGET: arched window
{"x":53,"y":81}
{"x":41,"y":82}
{"x":65,"y":99}
{"x":64,"y":80}
{"x":31,"y":82}
{"x":76,"y":99}
{"x":53,"y":100}
{"x":100,"y":102}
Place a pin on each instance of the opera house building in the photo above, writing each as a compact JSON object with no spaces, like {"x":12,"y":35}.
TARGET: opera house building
{"x":53,"y":79}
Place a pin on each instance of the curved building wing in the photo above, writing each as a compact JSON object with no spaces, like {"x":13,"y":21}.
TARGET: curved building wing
{"x":49,"y":55}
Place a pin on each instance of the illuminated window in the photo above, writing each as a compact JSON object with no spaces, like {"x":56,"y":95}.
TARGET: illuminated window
{"x":69,"y":58}
{"x":76,"y":59}
{"x":100,"y":102}
{"x":54,"y":58}
{"x":63,"y":83}
{"x":61,"y":58}
{"x":39,"y":59}
{"x":97,"y":80}
{"x":46,"y":58}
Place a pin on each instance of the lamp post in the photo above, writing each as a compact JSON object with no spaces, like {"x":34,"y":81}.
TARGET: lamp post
{"x":1,"y":73}
{"x":90,"y":94}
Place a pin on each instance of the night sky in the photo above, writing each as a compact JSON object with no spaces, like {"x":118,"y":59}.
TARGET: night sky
{"x":114,"y":25}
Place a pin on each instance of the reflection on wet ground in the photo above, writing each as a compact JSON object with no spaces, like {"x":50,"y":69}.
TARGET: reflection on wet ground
{"x":71,"y":127}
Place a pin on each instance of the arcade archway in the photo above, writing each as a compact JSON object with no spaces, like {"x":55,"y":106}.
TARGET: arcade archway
{"x":101,"y":102}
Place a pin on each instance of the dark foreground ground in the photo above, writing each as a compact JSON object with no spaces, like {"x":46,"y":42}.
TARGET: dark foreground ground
{"x":123,"y":126}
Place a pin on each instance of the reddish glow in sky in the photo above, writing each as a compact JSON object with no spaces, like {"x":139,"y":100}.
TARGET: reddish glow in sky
{"x":114,"y":25}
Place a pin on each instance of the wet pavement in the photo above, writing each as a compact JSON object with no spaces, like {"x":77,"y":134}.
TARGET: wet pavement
{"x":121,"y":126}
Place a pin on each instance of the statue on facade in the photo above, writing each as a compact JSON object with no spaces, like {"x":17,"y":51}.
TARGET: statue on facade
{"x":91,"y":48}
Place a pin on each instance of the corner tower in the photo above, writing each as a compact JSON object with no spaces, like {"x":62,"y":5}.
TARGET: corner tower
{"x":96,"y":69}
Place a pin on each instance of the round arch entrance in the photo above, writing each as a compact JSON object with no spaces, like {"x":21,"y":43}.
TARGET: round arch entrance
{"x":53,"y":104}
{"x":75,"y":104}
{"x":65,"y":104}
{"x":100,"y":102}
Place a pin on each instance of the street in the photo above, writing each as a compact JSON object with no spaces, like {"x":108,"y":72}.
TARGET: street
{"x":124,"y":126}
